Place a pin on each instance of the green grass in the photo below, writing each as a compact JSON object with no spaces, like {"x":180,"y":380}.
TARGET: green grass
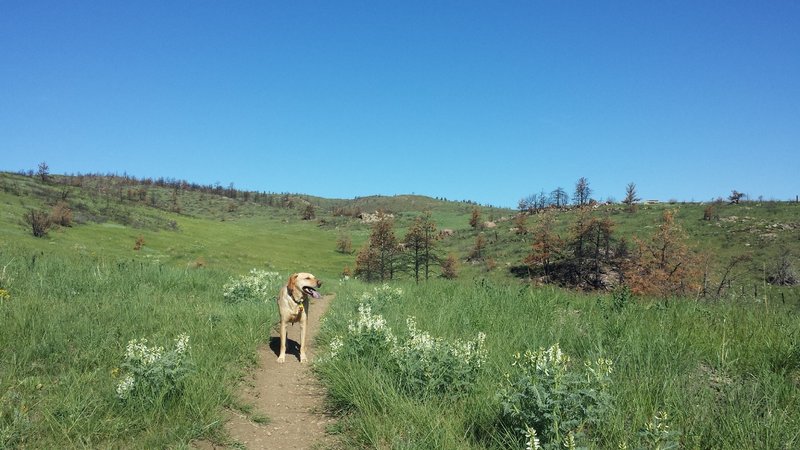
{"x":728,"y":374}
{"x":67,"y":322}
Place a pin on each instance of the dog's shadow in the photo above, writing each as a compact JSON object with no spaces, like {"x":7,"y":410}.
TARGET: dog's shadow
{"x":292,"y":346}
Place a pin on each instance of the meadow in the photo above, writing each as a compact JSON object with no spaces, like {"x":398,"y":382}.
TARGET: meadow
{"x":725,"y":375}
{"x":685,"y":373}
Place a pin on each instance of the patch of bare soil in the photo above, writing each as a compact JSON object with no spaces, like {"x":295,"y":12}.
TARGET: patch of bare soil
{"x":287,"y":396}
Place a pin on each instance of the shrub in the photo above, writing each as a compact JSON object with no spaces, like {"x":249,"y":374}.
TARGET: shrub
{"x":621,"y":297}
{"x":782,"y":272}
{"x":61,"y":215}
{"x":258,"y":285}
{"x":548,"y":397}
{"x":309,"y":212}
{"x":39,"y":221}
{"x":368,"y":334}
{"x":710,"y":212}
{"x":450,"y":267}
{"x":151,"y":373}
{"x":344,"y":244}
{"x":435,"y":366}
{"x":422,"y":365}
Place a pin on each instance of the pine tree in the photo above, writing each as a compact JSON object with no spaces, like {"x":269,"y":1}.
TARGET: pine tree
{"x":546,"y":247}
{"x":419,"y":245}
{"x":664,"y":265}
{"x":630,"y":197}
{"x":377,"y":259}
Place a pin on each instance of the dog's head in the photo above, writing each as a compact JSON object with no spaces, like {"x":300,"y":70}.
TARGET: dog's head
{"x":303,"y":285}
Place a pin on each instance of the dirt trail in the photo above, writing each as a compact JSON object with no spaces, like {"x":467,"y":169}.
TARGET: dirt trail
{"x":287,"y":394}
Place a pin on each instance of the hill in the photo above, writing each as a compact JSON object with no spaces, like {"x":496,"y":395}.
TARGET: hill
{"x":152,"y":260}
{"x":185,"y":224}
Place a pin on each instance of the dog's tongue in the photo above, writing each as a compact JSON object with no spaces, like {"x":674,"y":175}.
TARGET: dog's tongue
{"x":315,"y":294}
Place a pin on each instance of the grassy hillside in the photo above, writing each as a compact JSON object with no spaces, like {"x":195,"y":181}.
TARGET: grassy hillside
{"x":241,"y":230}
{"x":183,"y":227}
{"x":726,"y":371}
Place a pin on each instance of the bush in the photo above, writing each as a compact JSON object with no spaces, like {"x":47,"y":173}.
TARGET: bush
{"x":61,"y":215}
{"x":152,"y":374}
{"x":450,"y":267}
{"x":344,"y":244}
{"x":258,"y":285}
{"x":39,"y":221}
{"x":367,"y":335}
{"x":782,"y":272}
{"x":548,"y":397}
{"x":435,"y":366}
{"x":421,"y":365}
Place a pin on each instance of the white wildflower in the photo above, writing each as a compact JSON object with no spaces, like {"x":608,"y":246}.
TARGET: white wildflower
{"x":569,"y":441}
{"x":531,"y":440}
{"x":182,"y":344}
{"x":336,"y":345}
{"x":125,"y":387}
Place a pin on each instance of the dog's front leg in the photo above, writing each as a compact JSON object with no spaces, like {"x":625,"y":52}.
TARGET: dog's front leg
{"x":282,"y":354}
{"x":303,"y":321}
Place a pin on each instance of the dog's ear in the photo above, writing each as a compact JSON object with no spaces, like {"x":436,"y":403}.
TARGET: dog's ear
{"x":290,"y":284}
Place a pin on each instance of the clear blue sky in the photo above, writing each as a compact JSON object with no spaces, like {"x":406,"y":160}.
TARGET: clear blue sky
{"x":487,"y":101}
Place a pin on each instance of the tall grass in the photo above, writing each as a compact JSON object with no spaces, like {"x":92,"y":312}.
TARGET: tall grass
{"x":726,"y":374}
{"x":65,"y":325}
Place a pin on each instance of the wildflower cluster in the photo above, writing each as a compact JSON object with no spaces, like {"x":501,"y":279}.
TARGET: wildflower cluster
{"x":382,"y":294}
{"x":153,"y":372}
{"x":422,"y":364}
{"x":258,"y":285}
{"x":367,"y":334}
{"x":429,"y":365}
{"x":548,"y":395}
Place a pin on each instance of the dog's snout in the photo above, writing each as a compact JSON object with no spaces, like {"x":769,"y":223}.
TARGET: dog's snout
{"x":319,"y":283}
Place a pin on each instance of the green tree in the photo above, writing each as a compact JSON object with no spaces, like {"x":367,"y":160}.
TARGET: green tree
{"x":43,"y":171}
{"x":631,"y":197}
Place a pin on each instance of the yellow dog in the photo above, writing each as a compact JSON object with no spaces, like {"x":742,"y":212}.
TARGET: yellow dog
{"x":293,"y":307}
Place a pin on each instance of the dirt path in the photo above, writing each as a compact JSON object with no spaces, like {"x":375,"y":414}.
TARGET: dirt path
{"x":287,"y":394}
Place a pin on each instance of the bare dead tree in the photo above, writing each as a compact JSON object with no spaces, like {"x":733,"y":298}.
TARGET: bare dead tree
{"x":582,"y":192}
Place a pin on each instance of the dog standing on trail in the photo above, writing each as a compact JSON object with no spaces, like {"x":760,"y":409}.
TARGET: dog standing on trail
{"x":293,"y":302}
